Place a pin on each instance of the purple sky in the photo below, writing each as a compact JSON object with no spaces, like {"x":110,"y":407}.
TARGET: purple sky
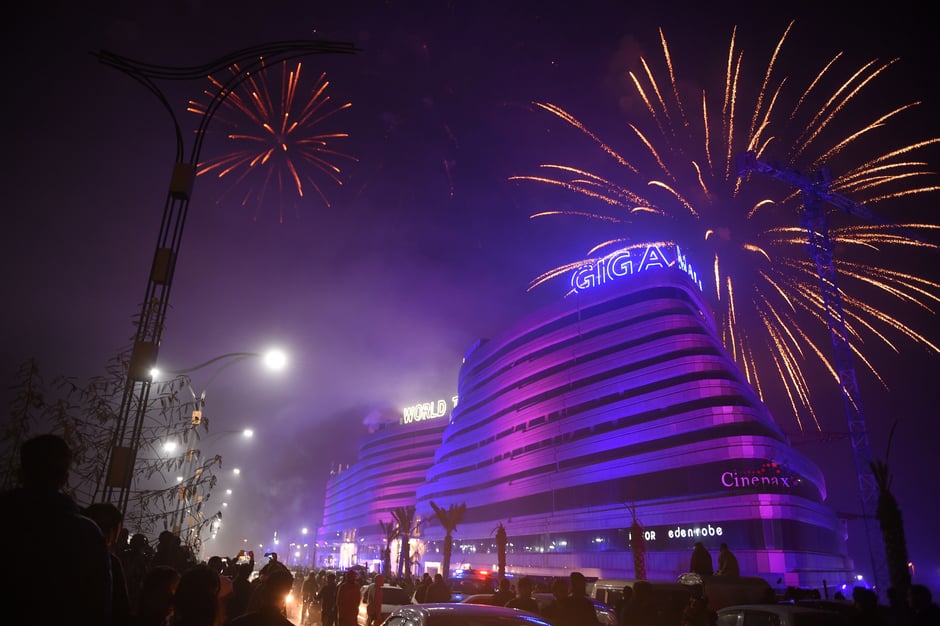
{"x":427,"y":247}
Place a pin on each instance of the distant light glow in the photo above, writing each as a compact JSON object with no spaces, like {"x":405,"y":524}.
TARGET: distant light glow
{"x":275,"y":360}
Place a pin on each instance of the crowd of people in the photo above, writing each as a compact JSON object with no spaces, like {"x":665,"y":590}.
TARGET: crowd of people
{"x":80,"y":567}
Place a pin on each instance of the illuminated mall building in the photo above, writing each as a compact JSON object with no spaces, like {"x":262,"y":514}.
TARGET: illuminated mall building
{"x":616,"y":400}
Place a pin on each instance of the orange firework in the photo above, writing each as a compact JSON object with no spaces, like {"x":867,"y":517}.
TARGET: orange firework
{"x":276,"y":143}
{"x":681,"y":177}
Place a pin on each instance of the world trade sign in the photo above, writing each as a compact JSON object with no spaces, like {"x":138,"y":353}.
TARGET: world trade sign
{"x":630,"y":261}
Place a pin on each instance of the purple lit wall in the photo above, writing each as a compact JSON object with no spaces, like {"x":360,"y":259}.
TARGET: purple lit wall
{"x":617,"y":396}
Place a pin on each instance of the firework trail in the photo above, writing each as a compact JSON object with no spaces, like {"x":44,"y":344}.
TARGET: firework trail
{"x":682,"y":177}
{"x":276,"y":143}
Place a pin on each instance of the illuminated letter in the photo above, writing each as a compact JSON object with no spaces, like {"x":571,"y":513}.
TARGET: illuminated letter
{"x":620,"y":264}
{"x":583,"y":277}
{"x":726,"y":477}
{"x":653,"y":257}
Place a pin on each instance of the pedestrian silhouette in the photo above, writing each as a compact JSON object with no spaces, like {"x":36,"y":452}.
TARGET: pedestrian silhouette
{"x":576,"y":609}
{"x":196,"y":602}
{"x":727,"y":562}
{"x":272,"y":596}
{"x":923,"y":610}
{"x":701,"y":562}
{"x":438,"y":590}
{"x":327,"y":599}
{"x":136,"y":560}
{"x":524,"y":599}
{"x":110,"y":521}
{"x":504,"y":594}
{"x":348,"y":597}
{"x":170,"y":552}
{"x":41,"y":527}
{"x":155,"y":600}
{"x":552,"y":611}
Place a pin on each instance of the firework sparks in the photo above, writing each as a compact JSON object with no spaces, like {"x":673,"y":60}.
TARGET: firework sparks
{"x":682,"y":176}
{"x":276,"y":144}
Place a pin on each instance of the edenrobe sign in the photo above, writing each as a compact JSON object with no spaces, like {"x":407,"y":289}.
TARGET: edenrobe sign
{"x":630,"y":261}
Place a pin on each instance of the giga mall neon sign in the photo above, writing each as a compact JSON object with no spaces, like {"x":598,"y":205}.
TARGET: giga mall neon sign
{"x":630,"y":261}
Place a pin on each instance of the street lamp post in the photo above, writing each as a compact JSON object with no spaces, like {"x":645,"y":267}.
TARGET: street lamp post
{"x":116,"y":481}
{"x":192,"y":495}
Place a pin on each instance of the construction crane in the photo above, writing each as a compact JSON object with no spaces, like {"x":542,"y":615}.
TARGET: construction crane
{"x":815,"y":191}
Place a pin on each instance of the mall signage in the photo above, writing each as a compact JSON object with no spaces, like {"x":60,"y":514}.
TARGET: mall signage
{"x":424,"y":411}
{"x":633,"y":260}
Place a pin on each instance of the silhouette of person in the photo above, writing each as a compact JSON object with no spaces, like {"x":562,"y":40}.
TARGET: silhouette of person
{"x":438,"y":590}
{"x":272,"y":594}
{"x":697,"y":613}
{"x":524,"y":599}
{"x":552,"y":610}
{"x":701,"y":562}
{"x":421,"y":589}
{"x":241,"y":591}
{"x":196,"y":602}
{"x":504,"y":594}
{"x":576,"y":609}
{"x":155,"y":600}
{"x":308,"y":593}
{"x":727,"y":562}
{"x":41,"y":526}
{"x":373,"y":601}
{"x":923,"y":610}
{"x":170,"y":552}
{"x":642,"y":609}
{"x":110,"y":521}
{"x":135,"y":560}
{"x":348,"y":597}
{"x":327,"y":599}
{"x":625,"y":604}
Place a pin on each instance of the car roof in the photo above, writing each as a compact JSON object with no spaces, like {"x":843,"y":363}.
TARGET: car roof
{"x":459,"y":609}
{"x":779,"y":609}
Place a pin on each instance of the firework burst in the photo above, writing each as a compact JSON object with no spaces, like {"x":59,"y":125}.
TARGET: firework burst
{"x":682,"y":177}
{"x":276,"y":144}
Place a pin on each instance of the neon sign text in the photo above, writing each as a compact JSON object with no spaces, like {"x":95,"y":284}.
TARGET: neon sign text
{"x":733,"y":479}
{"x":630,"y":261}
{"x":426,"y":411}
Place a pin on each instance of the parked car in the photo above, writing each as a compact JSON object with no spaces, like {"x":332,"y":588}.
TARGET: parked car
{"x":669,"y":598}
{"x":780,"y":615}
{"x":481,"y":598}
{"x":606,"y":614}
{"x":723,"y":591}
{"x":468,"y":582}
{"x":461,"y":614}
{"x":392,"y":598}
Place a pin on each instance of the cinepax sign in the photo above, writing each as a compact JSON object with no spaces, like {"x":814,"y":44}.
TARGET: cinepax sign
{"x":630,"y":261}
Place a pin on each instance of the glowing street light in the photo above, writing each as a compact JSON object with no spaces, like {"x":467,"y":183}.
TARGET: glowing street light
{"x":274,"y":360}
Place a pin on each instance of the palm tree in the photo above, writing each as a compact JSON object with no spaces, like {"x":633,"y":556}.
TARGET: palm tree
{"x":892,"y":526}
{"x":449,"y":518}
{"x":501,"y":540}
{"x":405,"y":516}
{"x":390,"y":530}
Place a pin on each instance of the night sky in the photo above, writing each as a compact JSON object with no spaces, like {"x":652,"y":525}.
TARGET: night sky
{"x":426,"y":247}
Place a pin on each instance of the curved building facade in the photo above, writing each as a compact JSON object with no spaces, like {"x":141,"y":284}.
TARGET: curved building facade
{"x":618,"y":401}
{"x":393,"y":460}
{"x":616,"y":408}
